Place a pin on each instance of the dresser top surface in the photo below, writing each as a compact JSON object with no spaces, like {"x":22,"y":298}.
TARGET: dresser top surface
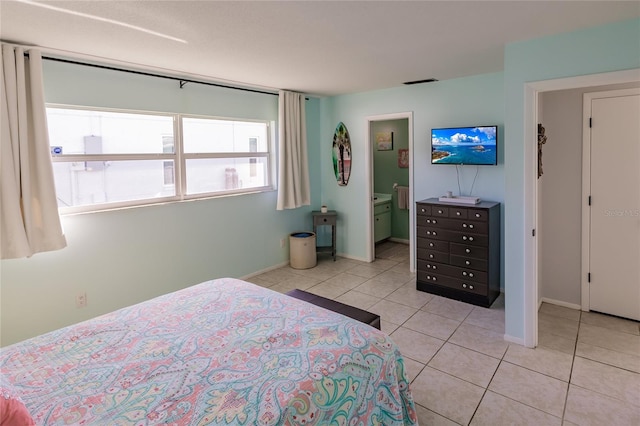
{"x":481,"y":204}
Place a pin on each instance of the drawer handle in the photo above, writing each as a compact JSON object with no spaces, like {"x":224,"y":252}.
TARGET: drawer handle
{"x":471,"y":274}
{"x":428,"y":277}
{"x":325,"y":219}
{"x":464,"y":286}
{"x":428,"y":266}
{"x":434,"y":221}
{"x":428,"y":232}
{"x":464,"y":237}
{"x":430,"y":256}
{"x":435,"y":267}
{"x":435,"y":278}
{"x":377,"y":219}
{"x":439,"y":211}
{"x":477,"y":214}
{"x":388,"y":207}
{"x":428,"y":220}
{"x":431,"y":245}
{"x":423,"y":210}
{"x":467,"y":262}
{"x":458,"y":213}
{"x":467,"y":250}
{"x":470,"y":238}
{"x":471,"y":226}
{"x":434,"y":233}
{"x":465,"y":273}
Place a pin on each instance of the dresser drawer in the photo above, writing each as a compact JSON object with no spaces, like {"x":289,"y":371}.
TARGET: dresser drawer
{"x":436,"y":256}
{"x":433,"y":244}
{"x":445,"y":281}
{"x":430,"y":266}
{"x":469,"y":251}
{"x":457,"y":212}
{"x":469,"y":238}
{"x":455,"y":225}
{"x":477,"y":227}
{"x":468,"y":262}
{"x":423,"y":210}
{"x":461,"y":273}
{"x":477,"y":214}
{"x":439,"y":211}
{"x":428,"y":221}
{"x":434,"y":233}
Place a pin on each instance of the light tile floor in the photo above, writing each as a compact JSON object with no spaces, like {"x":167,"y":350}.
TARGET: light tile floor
{"x":585,"y":371}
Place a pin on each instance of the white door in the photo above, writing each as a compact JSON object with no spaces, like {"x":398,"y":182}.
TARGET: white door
{"x":614,"y":255}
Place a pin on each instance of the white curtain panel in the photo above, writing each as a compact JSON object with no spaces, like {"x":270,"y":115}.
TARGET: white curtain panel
{"x":293,"y":165}
{"x":29,"y":220}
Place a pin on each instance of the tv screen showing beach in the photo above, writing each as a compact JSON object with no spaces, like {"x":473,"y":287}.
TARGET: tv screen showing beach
{"x":464,"y":145}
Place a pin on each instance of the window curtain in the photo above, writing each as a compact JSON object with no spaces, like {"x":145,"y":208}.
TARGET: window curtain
{"x":29,"y":220}
{"x":293,"y":165}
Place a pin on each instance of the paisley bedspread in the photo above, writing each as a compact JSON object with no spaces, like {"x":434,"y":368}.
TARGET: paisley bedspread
{"x":224,"y":352}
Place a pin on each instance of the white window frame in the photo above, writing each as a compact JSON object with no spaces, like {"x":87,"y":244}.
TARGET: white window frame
{"x":179,"y":158}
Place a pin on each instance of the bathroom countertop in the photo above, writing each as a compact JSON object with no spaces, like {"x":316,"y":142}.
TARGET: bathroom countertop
{"x":379,"y":198}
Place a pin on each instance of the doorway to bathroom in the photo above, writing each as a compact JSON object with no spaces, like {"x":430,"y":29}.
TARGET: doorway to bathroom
{"x":390,"y":187}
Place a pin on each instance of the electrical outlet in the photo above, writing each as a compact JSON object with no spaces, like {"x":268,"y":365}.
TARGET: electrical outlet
{"x":282,"y":242}
{"x":81,"y":300}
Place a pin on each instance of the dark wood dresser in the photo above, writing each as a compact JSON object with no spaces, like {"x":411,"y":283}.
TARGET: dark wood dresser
{"x":458,"y":250}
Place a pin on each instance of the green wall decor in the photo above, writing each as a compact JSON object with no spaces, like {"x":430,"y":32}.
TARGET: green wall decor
{"x":342,"y":154}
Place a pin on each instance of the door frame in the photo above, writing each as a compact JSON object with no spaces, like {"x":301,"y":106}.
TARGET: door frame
{"x":369,"y":184}
{"x":531,"y":92}
{"x":586,"y":186}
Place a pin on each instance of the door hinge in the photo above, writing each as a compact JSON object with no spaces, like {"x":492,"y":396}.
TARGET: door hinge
{"x":589,"y":199}
{"x":590,"y":122}
{"x":589,"y":277}
{"x":533,"y":232}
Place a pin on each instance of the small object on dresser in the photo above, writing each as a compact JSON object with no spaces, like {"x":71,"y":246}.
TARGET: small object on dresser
{"x":460,"y":200}
{"x":323,"y":209}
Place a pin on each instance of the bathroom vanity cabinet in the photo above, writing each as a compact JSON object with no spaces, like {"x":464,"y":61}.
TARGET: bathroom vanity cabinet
{"x":381,"y":219}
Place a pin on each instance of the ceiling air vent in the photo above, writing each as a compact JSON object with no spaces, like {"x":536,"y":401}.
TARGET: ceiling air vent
{"x":428,"y":80}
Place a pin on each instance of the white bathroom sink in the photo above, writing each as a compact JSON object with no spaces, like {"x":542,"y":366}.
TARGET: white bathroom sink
{"x":379,"y":198}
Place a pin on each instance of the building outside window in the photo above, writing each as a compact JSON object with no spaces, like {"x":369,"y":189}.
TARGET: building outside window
{"x":105,"y":158}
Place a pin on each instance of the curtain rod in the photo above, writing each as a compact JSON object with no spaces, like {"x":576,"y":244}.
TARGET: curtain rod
{"x":182,"y":81}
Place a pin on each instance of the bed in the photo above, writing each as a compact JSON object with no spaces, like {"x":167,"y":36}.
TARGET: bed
{"x":221,"y":352}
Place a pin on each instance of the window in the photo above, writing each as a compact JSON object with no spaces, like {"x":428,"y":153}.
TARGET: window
{"x":104,"y":159}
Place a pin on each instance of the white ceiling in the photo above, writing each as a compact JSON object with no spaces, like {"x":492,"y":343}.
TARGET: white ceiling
{"x":316,"y":47}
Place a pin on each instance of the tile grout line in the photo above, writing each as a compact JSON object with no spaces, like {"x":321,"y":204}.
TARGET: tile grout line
{"x":573,"y":361}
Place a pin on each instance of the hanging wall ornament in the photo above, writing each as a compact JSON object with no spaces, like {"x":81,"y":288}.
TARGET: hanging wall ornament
{"x":342,"y":154}
{"x":542,"y":139}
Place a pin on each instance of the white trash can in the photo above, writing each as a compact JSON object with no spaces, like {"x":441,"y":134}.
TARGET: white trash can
{"x":302,"y":250}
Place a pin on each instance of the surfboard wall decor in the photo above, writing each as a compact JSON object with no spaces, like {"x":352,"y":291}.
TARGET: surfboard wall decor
{"x":342,"y":154}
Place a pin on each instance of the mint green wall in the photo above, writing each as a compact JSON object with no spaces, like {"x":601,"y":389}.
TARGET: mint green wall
{"x":477,"y":100}
{"x":386,"y":172}
{"x":595,"y":50}
{"x":122,"y":257}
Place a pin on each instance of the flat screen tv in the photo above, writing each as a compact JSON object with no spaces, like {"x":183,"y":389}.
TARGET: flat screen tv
{"x":465,"y":145}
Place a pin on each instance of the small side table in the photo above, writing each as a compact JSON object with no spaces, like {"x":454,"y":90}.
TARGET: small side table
{"x":329,"y":218}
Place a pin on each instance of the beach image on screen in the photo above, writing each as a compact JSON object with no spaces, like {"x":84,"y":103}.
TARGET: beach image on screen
{"x":464,"y":145}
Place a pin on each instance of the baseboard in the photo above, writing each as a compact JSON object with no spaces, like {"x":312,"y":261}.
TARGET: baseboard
{"x":262,"y":271}
{"x":560,"y":303}
{"x":348,"y":256}
{"x":399,"y":240}
{"x":512,"y":339}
